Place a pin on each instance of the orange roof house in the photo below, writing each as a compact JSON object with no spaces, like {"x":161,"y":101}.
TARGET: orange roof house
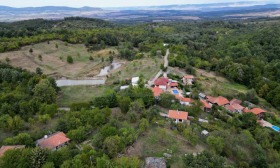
{"x":178,"y":116}
{"x":173,"y":84}
{"x":53,"y":141}
{"x":237,"y":107}
{"x":157,"y":91}
{"x":257,"y":111}
{"x":4,"y":149}
{"x":246,"y":110}
{"x":206,"y":106}
{"x":161,"y":81}
{"x":183,"y":99}
{"x":235,"y":101}
{"x":221,"y":101}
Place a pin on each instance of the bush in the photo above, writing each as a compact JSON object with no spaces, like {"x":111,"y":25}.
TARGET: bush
{"x":79,"y":106}
{"x":70,"y":60}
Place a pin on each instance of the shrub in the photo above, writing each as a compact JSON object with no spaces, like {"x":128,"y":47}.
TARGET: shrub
{"x":70,"y":60}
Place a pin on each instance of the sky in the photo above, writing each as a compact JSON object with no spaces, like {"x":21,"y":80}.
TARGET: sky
{"x":109,"y":3}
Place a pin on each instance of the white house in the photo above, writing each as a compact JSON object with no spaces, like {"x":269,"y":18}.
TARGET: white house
{"x":178,"y":116}
{"x":134,"y":81}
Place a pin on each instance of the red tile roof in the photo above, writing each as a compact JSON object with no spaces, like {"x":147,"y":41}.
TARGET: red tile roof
{"x":178,"y":114}
{"x":3,"y":149}
{"x":189,"y":77}
{"x":161,"y":81}
{"x":237,"y":107}
{"x":257,"y":111}
{"x":235,"y":101}
{"x":246,"y":110}
{"x":183,"y":99}
{"x":205,"y":104}
{"x":218,"y":100}
{"x":157,"y":91}
{"x":230,"y":108}
{"x":173,"y":84}
{"x":53,"y":140}
{"x":222,"y":101}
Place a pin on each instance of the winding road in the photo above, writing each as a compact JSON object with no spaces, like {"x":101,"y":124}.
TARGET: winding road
{"x":151,"y":82}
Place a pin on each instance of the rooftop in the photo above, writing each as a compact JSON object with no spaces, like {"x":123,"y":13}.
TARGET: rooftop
{"x":161,"y":81}
{"x":218,"y":100}
{"x":4,"y":149}
{"x":157,"y":91}
{"x":205,"y":104}
{"x":53,"y":140}
{"x":175,"y":114}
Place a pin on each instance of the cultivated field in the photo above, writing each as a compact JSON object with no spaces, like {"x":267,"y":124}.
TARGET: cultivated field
{"x":54,"y":59}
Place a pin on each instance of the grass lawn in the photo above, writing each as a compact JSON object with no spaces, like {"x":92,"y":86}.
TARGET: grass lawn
{"x":74,"y":94}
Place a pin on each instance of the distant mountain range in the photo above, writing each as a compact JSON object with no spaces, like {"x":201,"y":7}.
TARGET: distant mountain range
{"x":236,"y":10}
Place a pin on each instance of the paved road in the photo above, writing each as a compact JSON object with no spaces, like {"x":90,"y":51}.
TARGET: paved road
{"x":151,"y":82}
{"x":166,"y":62}
{"x":166,"y":58}
{"x":68,"y":82}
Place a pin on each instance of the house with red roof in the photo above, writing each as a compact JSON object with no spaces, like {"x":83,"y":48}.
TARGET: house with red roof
{"x":178,"y":116}
{"x":4,"y":149}
{"x":189,"y":79}
{"x":235,"y":108}
{"x":183,"y":100}
{"x":173,"y":84}
{"x":157,"y":91}
{"x":54,"y":141}
{"x":220,"y":101}
{"x":162,"y":83}
{"x":235,"y":101}
{"x":206,"y":106}
{"x":257,"y":111}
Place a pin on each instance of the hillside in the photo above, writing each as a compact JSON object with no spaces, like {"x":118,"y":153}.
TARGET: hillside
{"x":132,"y":14}
{"x":187,"y":94}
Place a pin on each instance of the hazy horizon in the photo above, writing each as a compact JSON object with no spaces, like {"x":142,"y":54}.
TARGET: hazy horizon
{"x":116,"y":3}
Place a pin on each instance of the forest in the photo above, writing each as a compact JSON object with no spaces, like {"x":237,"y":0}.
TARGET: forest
{"x":246,"y":52}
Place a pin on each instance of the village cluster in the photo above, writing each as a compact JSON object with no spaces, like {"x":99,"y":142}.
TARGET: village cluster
{"x":161,"y":85}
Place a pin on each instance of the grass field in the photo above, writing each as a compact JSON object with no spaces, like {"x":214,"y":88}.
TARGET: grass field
{"x":54,"y":60}
{"x":74,"y":94}
{"x":148,"y":67}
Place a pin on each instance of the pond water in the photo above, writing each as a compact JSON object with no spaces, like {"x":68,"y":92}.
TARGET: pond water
{"x":106,"y":70}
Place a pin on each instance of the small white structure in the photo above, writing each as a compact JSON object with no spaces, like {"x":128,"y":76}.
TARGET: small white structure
{"x":202,"y":96}
{"x":202,"y":120}
{"x":134,"y":81}
{"x":204,"y":132}
{"x":165,"y":44}
{"x":124,"y":87}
